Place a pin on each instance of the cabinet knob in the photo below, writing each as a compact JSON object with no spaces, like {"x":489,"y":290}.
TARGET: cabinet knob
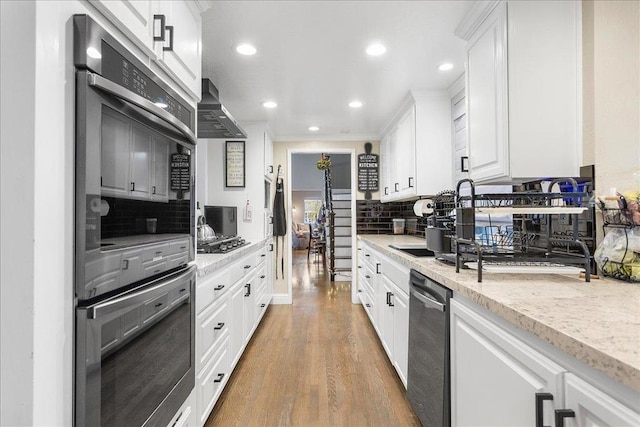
{"x":263,"y":305}
{"x":561,"y":414}
{"x":219,"y":379}
{"x":540,"y":398}
{"x":219,"y":326}
{"x":367,"y":276}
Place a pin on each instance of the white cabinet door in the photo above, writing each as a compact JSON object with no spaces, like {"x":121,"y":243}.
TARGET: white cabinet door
{"x":114,"y":154}
{"x":487,"y":98}
{"x":132,"y":17}
{"x":385,"y":170}
{"x":400,"y":301}
{"x":495,"y":377}
{"x":181,"y":53}
{"x":160,"y":169}
{"x":405,"y":154}
{"x":236,"y":318}
{"x":140,"y":162}
{"x":592,"y":407}
{"x":268,"y":156}
{"x":248,"y":308}
{"x":385,"y":315}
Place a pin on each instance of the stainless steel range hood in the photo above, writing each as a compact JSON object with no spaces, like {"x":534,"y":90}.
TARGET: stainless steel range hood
{"x":214,"y":121}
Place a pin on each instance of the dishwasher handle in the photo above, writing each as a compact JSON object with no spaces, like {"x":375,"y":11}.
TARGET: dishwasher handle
{"x":427,"y":301}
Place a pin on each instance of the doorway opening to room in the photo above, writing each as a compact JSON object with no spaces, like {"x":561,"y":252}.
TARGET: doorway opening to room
{"x":319,"y":252}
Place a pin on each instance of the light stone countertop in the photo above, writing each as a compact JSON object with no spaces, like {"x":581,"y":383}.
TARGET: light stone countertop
{"x":598,"y":322}
{"x":209,"y":263}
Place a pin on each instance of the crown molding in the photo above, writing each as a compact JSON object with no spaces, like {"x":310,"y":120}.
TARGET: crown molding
{"x":472,"y":21}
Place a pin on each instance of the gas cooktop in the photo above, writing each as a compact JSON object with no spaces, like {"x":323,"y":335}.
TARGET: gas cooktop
{"x":221,"y":245}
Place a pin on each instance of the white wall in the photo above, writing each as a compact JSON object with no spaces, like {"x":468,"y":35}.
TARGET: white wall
{"x":212,"y":179}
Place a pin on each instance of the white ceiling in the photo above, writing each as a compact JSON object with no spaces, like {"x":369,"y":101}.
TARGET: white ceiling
{"x":311,"y":60}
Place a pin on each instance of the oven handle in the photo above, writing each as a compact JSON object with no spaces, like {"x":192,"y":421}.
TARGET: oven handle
{"x":137,"y":298}
{"x":100,"y":82}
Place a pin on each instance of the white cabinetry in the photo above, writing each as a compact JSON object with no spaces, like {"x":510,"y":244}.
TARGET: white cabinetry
{"x":229,"y":304}
{"x":186,"y":415}
{"x":383,"y":287}
{"x":176,"y":48}
{"x":416,"y":147}
{"x":181,"y":55}
{"x":523,"y":89}
{"x":268,"y":156}
{"x":497,"y":373}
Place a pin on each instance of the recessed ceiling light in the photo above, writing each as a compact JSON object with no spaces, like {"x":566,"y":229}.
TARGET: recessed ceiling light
{"x":269,"y":104}
{"x":355,"y":104}
{"x":445,"y":67}
{"x":314,"y":128}
{"x":376,"y":49}
{"x":246,"y":49}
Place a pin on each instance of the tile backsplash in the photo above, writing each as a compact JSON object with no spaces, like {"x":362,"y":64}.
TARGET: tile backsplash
{"x":374,"y":217}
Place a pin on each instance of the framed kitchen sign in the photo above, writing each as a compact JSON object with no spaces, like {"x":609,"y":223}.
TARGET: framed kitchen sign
{"x":234,"y":164}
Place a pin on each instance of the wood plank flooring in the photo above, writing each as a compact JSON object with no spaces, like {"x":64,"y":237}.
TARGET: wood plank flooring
{"x":317,"y":362}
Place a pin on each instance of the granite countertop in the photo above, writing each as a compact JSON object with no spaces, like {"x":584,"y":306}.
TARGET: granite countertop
{"x":596,"y":322}
{"x":209,"y":263}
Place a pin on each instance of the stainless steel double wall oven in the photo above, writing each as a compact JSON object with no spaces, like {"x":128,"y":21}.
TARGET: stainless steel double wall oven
{"x":134,"y":238}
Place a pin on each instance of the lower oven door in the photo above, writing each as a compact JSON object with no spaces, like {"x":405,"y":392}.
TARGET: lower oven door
{"x":135,"y":362}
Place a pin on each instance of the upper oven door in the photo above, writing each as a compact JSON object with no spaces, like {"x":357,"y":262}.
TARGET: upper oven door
{"x":135,"y":360}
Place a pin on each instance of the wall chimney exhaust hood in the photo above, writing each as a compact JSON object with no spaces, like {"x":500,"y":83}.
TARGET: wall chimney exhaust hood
{"x":214,"y":121}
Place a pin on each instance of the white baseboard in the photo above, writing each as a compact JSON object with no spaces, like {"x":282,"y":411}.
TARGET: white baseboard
{"x":281,"y":299}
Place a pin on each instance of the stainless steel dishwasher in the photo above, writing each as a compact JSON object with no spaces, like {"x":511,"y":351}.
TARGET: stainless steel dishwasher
{"x":428,"y":375}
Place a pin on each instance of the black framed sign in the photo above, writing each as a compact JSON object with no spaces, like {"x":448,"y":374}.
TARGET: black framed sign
{"x":234,"y":164}
{"x":368,"y":171}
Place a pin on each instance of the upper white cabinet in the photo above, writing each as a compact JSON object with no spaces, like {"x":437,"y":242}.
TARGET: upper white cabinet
{"x":416,"y":148}
{"x":268,"y":156}
{"x":523,"y":89}
{"x":169,"y":31}
{"x":133,"y":17}
{"x":181,"y":53}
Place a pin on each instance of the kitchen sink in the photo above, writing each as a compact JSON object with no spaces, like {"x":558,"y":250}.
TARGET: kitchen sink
{"x":414,"y":250}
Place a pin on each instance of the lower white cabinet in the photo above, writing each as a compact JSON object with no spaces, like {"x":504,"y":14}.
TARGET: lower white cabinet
{"x":230,"y":303}
{"x":383,"y":291}
{"x":186,"y":415}
{"x":499,"y":379}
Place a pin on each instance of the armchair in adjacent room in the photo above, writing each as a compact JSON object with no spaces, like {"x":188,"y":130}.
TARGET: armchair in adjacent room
{"x":300,"y":235}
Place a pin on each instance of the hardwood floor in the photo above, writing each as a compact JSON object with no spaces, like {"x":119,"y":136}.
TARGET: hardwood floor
{"x":317,"y":362}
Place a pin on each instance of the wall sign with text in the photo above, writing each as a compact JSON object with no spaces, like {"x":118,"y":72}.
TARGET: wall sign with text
{"x":368,"y":171}
{"x":234,"y":164}
{"x":180,"y":172}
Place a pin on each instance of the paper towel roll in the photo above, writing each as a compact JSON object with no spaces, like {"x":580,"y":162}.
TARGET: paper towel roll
{"x":423,"y":207}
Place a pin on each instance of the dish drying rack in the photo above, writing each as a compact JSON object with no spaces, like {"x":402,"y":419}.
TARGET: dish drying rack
{"x":514,"y":246}
{"x":619,"y":218}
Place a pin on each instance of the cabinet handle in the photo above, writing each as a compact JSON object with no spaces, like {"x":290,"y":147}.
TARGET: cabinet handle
{"x":158,"y":252}
{"x":158,"y":305}
{"x":175,"y":423}
{"x":561,"y":414}
{"x":125,"y":264}
{"x":246,"y":267}
{"x":270,"y":168}
{"x":271,"y":222}
{"x":395,"y":186}
{"x":378,"y":268}
{"x":219,"y":379}
{"x":367,"y":276}
{"x":368,"y":305}
{"x":182,"y":290}
{"x":218,"y":288}
{"x":540,"y":398}
{"x":153,"y":189}
{"x":263,"y":305}
{"x":410,"y":183}
{"x":248,"y":286}
{"x":464,"y":167}
{"x":366,"y":254}
{"x":386,"y":191}
{"x":359,"y":266}
{"x":219,"y":326}
{"x":163,"y":21}
{"x":170,"y":47}
{"x":263,"y":276}
{"x":132,"y":186}
{"x":263,"y":255}
{"x":389,"y":295}
{"x":271,"y":244}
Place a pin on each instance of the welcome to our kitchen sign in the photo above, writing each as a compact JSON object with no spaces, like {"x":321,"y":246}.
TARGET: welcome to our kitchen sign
{"x":368,"y":171}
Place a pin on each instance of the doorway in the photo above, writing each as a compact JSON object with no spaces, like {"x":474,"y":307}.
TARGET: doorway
{"x":306,"y":183}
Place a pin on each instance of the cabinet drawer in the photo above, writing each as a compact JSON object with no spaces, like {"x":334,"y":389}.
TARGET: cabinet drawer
{"x":210,"y":382}
{"x":242,"y":267}
{"x":179,"y":294}
{"x":210,"y":288}
{"x":179,"y":246}
{"x":261,"y":256}
{"x":152,"y":267}
{"x":176,"y":260}
{"x":397,"y":273}
{"x":154,"y":307}
{"x":156,"y":252}
{"x":212,"y":329}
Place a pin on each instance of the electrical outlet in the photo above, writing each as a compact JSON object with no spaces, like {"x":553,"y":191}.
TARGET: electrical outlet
{"x":564,"y":219}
